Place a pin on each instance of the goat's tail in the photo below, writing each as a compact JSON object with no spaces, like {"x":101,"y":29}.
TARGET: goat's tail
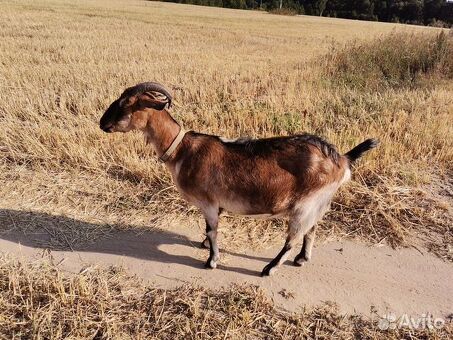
{"x":360,"y":149}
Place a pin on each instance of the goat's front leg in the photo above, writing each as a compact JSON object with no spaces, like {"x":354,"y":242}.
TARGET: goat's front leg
{"x":211,"y":215}
{"x":205,"y":243}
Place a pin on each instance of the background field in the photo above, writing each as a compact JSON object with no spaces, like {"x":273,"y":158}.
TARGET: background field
{"x":232,"y":73}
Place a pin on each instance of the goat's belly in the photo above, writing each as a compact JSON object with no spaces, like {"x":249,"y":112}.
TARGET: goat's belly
{"x":239,"y":207}
{"x":257,"y":216}
{"x":264,"y":216}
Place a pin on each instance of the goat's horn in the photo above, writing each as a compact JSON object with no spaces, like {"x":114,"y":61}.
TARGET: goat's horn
{"x":148,"y":86}
{"x":152,"y":86}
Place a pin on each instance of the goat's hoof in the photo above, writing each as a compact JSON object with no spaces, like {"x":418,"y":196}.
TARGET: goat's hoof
{"x":267,"y":271}
{"x":205,"y":244}
{"x":299,"y":261}
{"x":210,"y":264}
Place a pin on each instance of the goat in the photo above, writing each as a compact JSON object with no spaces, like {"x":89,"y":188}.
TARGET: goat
{"x":292,"y":177}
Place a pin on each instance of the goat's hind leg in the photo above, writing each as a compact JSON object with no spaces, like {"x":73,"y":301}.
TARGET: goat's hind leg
{"x":294,"y":234}
{"x":309,"y":237}
{"x":307,"y":246}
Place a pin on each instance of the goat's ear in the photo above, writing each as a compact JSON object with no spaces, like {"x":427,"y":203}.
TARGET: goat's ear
{"x":127,"y":101}
{"x":154,"y":99}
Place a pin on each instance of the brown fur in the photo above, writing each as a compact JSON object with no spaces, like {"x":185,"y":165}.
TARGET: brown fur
{"x":272,"y":183}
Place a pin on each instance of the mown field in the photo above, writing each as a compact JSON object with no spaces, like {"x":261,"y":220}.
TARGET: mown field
{"x":232,"y":73}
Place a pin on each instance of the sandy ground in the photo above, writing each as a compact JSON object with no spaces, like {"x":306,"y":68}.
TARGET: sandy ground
{"x":357,"y":277}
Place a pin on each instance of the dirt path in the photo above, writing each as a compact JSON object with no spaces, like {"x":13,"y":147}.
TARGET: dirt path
{"x":355,"y":276}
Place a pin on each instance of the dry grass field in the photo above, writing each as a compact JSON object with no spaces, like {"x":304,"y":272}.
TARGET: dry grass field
{"x":232,"y":73}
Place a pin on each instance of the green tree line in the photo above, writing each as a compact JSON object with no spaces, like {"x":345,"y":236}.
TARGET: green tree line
{"x":420,"y":12}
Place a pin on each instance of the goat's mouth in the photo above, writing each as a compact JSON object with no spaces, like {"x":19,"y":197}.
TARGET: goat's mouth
{"x":107,"y":128}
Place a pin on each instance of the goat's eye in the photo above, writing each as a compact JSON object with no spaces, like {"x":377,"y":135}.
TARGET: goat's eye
{"x":125,"y":101}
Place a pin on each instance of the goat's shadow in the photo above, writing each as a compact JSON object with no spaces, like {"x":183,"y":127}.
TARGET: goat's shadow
{"x":44,"y":231}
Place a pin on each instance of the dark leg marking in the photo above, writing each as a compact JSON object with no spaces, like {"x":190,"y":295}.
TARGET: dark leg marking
{"x":267,"y":271}
{"x":211,"y":235}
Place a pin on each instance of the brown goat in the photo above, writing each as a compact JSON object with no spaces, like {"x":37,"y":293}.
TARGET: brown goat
{"x":294,"y":177}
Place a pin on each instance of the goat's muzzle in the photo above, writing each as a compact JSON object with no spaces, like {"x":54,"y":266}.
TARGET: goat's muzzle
{"x":106,"y":128}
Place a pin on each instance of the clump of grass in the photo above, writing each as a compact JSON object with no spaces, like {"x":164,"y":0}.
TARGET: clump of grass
{"x":392,"y":61}
{"x":39,"y":301}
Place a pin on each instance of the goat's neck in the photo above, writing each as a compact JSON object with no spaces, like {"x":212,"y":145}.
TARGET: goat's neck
{"x":160,"y":131}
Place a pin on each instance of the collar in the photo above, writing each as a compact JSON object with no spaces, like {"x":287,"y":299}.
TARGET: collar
{"x":173,"y":145}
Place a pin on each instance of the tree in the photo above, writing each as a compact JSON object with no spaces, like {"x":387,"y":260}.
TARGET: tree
{"x":407,"y":11}
{"x":314,"y":7}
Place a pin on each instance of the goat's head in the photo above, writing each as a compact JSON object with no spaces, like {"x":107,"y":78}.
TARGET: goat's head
{"x":132,"y":109}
